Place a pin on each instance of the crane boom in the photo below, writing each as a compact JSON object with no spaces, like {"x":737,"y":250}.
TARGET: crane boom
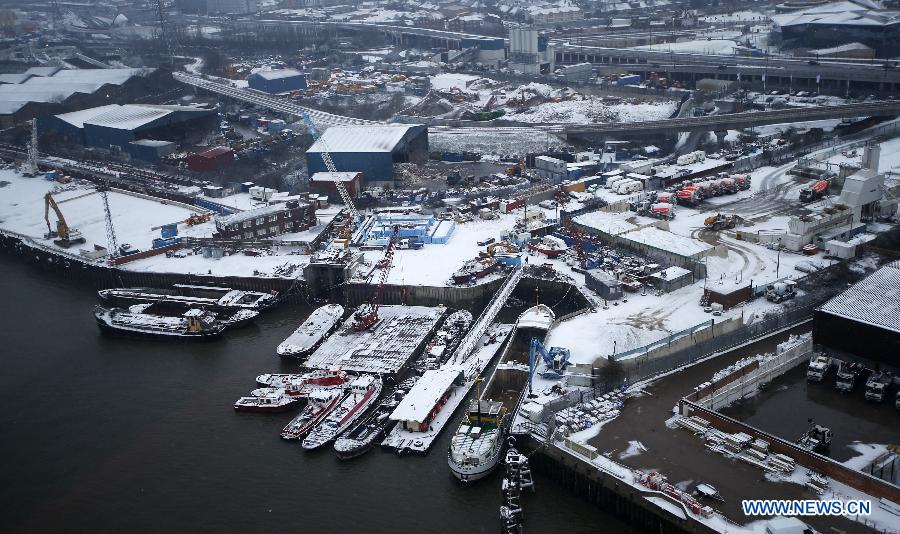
{"x":62,"y":229}
{"x":329,"y":164}
{"x":367,"y":314}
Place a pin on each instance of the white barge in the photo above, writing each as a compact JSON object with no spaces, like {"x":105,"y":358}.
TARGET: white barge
{"x":312,"y":332}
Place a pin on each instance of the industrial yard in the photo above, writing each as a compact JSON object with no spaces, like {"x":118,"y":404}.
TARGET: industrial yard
{"x":641,"y":257}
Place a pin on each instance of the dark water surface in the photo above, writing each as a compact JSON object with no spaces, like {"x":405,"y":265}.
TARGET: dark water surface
{"x":104,"y":434}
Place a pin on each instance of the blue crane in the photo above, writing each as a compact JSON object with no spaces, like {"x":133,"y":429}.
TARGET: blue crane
{"x":555,"y":360}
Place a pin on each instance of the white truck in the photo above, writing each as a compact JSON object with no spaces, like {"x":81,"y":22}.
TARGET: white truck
{"x":611,"y":183}
{"x":781,"y":291}
{"x":629,"y":186}
{"x":877,"y":386}
{"x":818,"y":367}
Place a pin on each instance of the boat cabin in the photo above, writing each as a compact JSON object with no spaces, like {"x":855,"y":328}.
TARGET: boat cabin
{"x":197,"y":320}
{"x":485,"y":413}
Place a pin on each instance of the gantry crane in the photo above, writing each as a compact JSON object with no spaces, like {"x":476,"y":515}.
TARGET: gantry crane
{"x":66,"y":236}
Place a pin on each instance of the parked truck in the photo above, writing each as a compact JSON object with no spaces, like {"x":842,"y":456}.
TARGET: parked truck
{"x":720,"y":221}
{"x":742,"y":181}
{"x":819,"y":365}
{"x":689,"y":196}
{"x":814,"y":192}
{"x":877,"y":386}
{"x":781,"y":291}
{"x":847,"y":376}
{"x":629,"y":186}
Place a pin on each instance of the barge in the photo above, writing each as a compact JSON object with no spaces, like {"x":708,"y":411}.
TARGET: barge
{"x":311,"y":332}
{"x":209,"y":297}
{"x":193,"y":324}
{"x":364,"y":392}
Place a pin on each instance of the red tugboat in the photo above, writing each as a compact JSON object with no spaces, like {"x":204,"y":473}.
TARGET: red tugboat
{"x":549,"y":245}
{"x":474,"y":269}
{"x":321,"y":403}
{"x":295,"y":381}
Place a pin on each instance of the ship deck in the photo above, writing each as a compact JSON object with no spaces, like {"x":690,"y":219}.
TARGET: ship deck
{"x":382,"y":349}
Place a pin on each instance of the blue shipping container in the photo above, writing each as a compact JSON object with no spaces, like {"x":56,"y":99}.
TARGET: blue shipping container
{"x":169,"y":230}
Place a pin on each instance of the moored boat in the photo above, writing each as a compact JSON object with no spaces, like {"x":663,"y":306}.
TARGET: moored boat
{"x":549,"y":245}
{"x":364,"y":391}
{"x":276,"y":402}
{"x":361,"y":438}
{"x":318,"y":377}
{"x":477,"y":445}
{"x":209,"y":297}
{"x":320,"y":404}
{"x":193,"y":324}
{"x":445,"y":340}
{"x":538,"y":317}
{"x":310,"y":334}
{"x":474,"y":269}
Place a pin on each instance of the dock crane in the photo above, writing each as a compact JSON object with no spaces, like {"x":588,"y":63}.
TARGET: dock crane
{"x":66,"y":236}
{"x":329,"y":164}
{"x":555,"y":359}
{"x":367,"y":314}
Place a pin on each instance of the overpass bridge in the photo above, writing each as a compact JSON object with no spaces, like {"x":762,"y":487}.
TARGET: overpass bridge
{"x":836,"y":77}
{"x":731,"y":121}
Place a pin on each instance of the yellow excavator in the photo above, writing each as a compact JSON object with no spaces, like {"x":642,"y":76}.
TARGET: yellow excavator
{"x":66,"y":236}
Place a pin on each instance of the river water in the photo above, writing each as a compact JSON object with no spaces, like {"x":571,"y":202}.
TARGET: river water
{"x":106,"y":434}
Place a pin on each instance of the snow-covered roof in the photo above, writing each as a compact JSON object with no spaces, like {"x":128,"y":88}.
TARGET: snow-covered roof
{"x":361,"y":138}
{"x":334,"y":176}
{"x":847,"y":12}
{"x":123,"y":117}
{"x":238,"y":218}
{"x":874,"y":301}
{"x":674,"y":243}
{"x":842,"y":48}
{"x":14,"y":78}
{"x":423,"y":396}
{"x":60,"y":86}
{"x":671,"y":273}
{"x":277,"y":74}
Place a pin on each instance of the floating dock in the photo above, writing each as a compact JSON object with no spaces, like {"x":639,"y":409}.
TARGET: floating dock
{"x":404,"y":440}
{"x":383,"y":349}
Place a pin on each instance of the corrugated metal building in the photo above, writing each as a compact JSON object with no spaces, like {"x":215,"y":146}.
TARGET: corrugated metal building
{"x":210,"y":159}
{"x":116,"y":127}
{"x":323,"y":183}
{"x":277,"y":81}
{"x":372,"y":150}
{"x":45,"y":90}
{"x":865,"y":319}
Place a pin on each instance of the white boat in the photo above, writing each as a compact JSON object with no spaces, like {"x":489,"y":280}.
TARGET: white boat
{"x":539,"y":317}
{"x":210,"y":297}
{"x":320,"y":404}
{"x":275,"y":401}
{"x":364,"y":392}
{"x":477,"y":445}
{"x":310,"y":334}
{"x":193,"y":324}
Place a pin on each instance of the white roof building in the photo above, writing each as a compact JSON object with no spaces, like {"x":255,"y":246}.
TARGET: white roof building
{"x":423,"y":401}
{"x":361,"y":138}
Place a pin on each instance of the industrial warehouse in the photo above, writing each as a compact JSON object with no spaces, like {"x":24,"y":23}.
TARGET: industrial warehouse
{"x":143,"y":131}
{"x":629,"y":265}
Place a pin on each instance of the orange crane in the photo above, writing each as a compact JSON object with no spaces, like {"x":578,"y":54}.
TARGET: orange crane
{"x":367,"y":314}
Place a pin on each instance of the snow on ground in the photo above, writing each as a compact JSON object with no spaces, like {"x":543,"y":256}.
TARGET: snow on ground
{"x":444,"y":82}
{"x":234,"y":265}
{"x":699,"y":46}
{"x":22,"y":211}
{"x":433,"y":265}
{"x":593,"y":110}
{"x":487,"y":141}
{"x":634,"y":448}
{"x":868,"y":452}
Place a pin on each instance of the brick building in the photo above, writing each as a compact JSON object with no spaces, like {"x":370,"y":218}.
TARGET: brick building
{"x":266,"y":222}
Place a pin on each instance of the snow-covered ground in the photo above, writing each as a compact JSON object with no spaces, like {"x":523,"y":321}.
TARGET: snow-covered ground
{"x":451,"y":80}
{"x":22,"y":211}
{"x":592,"y":110}
{"x":700,"y":46}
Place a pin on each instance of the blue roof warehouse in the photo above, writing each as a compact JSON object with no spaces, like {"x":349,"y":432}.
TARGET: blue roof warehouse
{"x":127,"y":127}
{"x":372,"y":150}
{"x":277,"y":81}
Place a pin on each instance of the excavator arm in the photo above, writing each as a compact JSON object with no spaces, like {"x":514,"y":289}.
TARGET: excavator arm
{"x":62,"y":229}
